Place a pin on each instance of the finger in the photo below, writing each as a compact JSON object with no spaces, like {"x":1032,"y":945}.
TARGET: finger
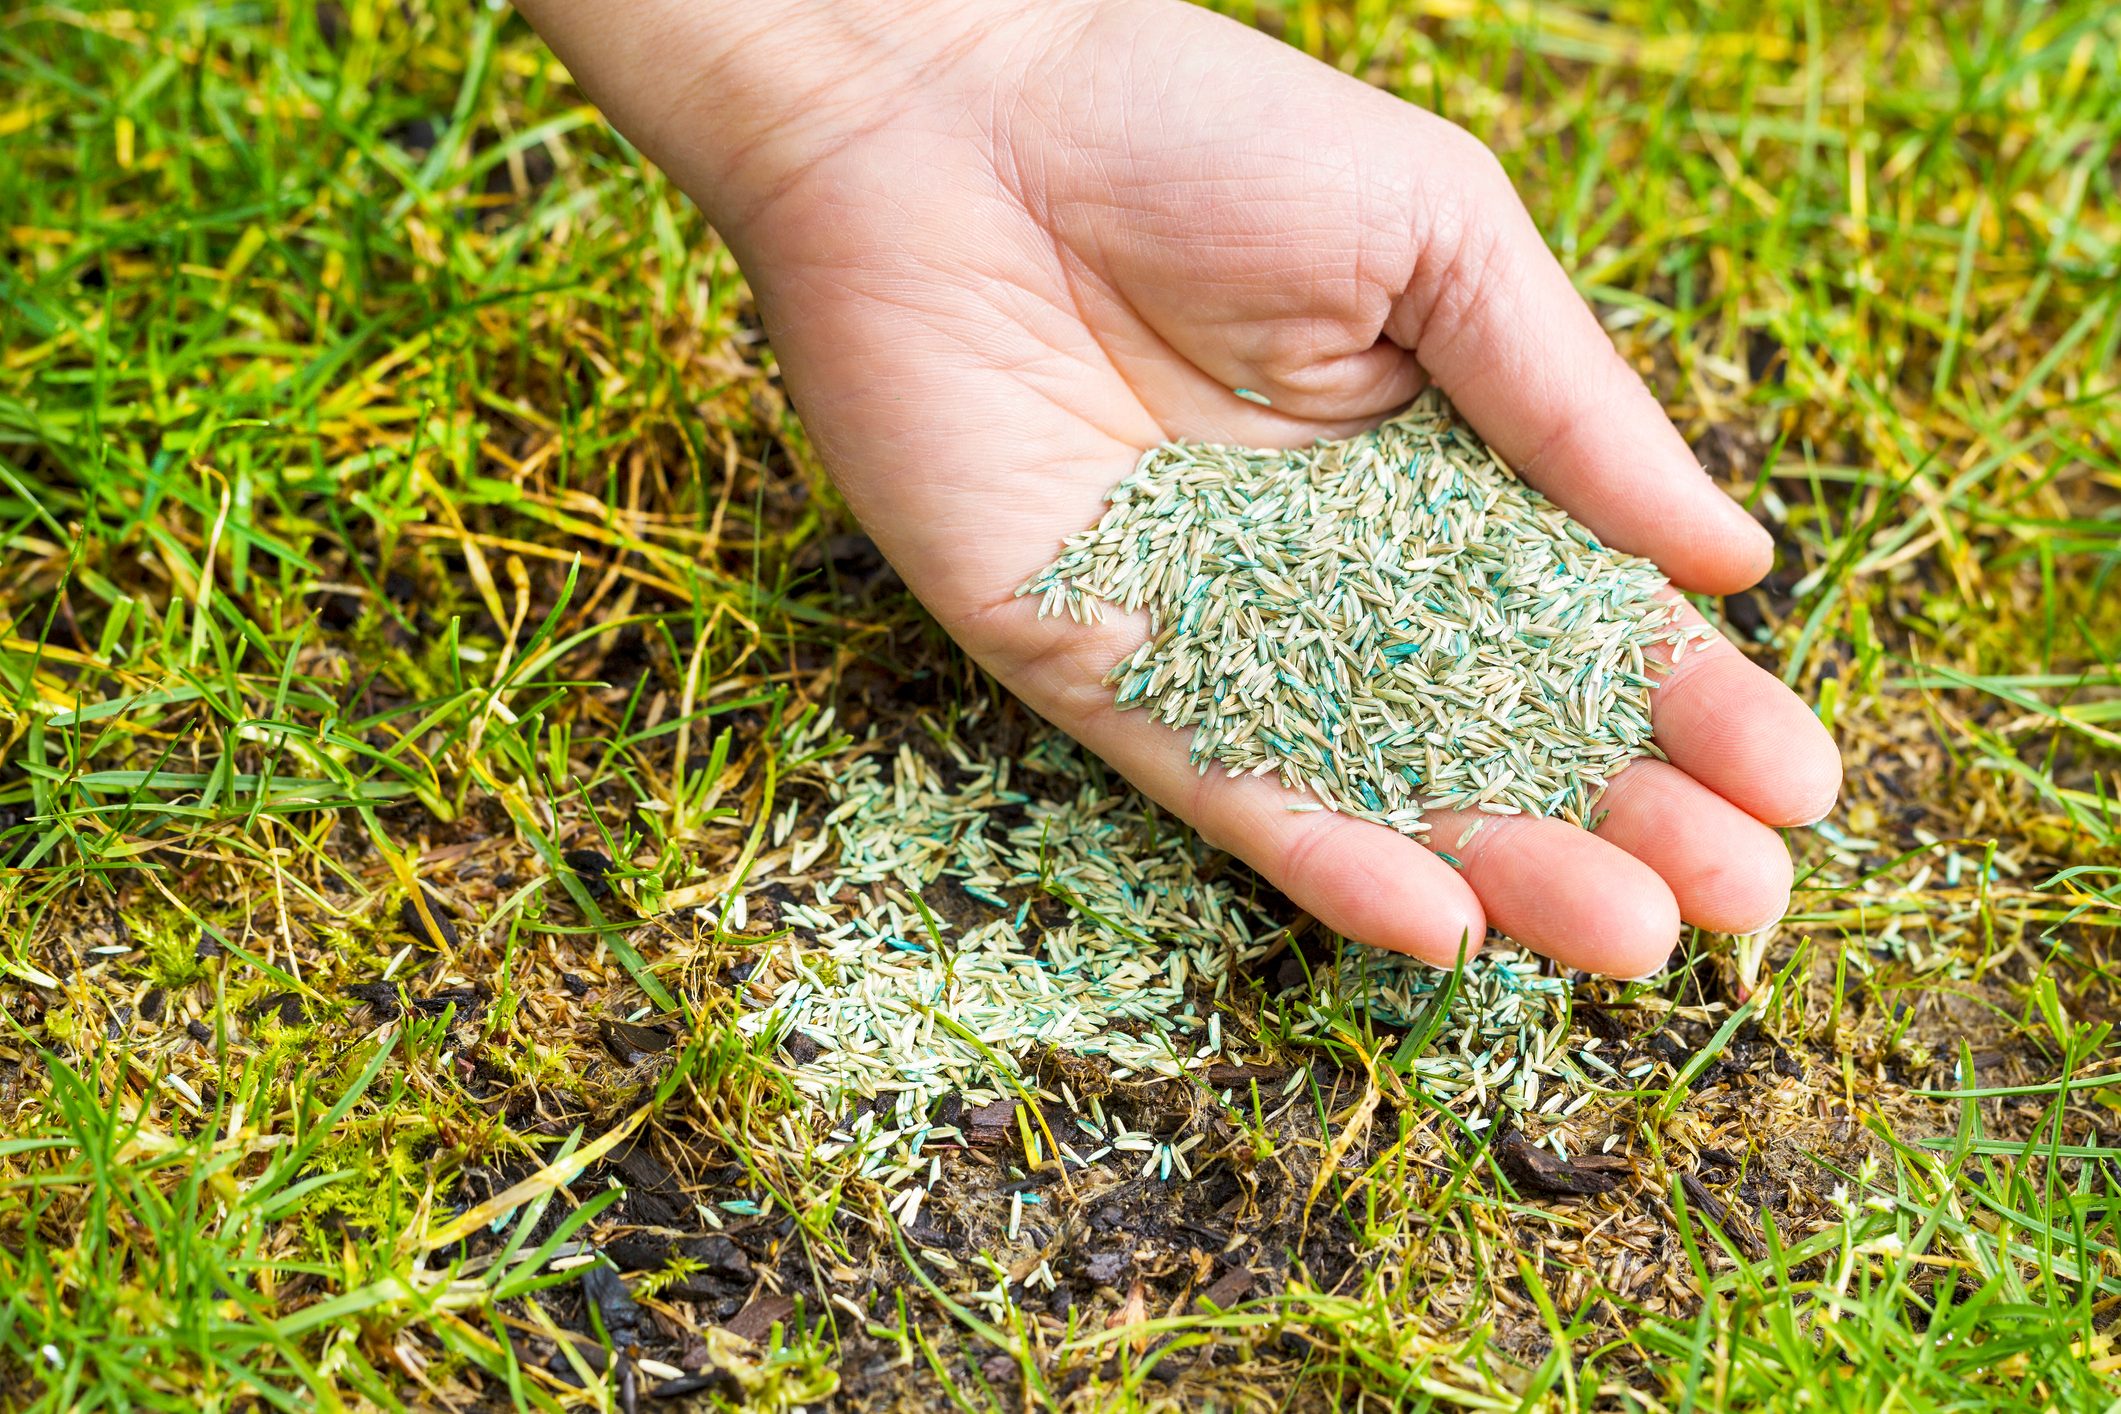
{"x":1734,"y":727}
{"x":1495,"y":321}
{"x":1562,"y":891}
{"x":1729,"y":872}
{"x":1362,"y":880}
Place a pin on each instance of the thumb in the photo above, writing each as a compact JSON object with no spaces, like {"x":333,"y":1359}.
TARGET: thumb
{"x":1492,"y":318}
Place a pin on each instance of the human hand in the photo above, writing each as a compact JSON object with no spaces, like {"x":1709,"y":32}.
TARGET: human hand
{"x":999,"y":252}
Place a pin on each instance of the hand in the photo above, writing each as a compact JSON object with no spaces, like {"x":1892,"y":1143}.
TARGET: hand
{"x":999,"y":252}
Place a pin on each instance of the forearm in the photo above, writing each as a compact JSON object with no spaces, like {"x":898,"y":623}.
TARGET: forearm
{"x":731,"y":97}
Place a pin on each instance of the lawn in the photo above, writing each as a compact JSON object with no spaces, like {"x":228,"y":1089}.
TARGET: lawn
{"x":437,"y":680}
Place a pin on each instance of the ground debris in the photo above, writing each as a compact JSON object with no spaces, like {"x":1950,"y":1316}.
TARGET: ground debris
{"x":591,"y":865}
{"x":436,"y":928}
{"x":759,"y":1315}
{"x":630,"y":1043}
{"x":1532,"y":1167}
{"x":1228,"y":1289}
{"x":1716,"y":1211}
{"x":615,"y":1305}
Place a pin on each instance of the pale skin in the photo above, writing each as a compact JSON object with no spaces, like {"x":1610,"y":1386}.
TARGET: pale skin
{"x":1001,"y":249}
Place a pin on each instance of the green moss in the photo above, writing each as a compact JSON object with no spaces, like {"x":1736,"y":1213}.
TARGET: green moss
{"x":172,"y":950}
{"x":63,"y":1025}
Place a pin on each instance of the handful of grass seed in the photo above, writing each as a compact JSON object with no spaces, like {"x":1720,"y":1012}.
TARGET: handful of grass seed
{"x":1394,"y":622}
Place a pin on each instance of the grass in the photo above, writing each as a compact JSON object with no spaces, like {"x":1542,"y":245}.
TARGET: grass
{"x":398,"y":508}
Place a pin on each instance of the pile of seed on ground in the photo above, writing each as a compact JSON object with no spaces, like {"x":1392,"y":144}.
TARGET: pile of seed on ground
{"x":983,"y":908}
{"x":1394,"y":622}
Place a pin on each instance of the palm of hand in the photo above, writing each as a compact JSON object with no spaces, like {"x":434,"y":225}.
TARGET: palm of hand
{"x":989,"y":303}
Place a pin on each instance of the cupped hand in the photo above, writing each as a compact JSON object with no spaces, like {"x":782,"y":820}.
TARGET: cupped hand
{"x":1001,"y":251}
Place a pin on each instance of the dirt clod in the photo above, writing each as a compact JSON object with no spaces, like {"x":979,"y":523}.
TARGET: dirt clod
{"x":436,"y":929}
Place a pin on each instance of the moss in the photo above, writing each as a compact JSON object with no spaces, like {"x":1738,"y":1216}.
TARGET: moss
{"x":63,"y":1025}
{"x":287,"y":1048}
{"x":172,"y":947}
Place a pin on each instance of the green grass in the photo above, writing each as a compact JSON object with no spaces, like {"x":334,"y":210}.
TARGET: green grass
{"x":395,"y":494}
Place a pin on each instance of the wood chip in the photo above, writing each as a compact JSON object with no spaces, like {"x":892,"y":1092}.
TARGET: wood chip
{"x":1530,"y":1166}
